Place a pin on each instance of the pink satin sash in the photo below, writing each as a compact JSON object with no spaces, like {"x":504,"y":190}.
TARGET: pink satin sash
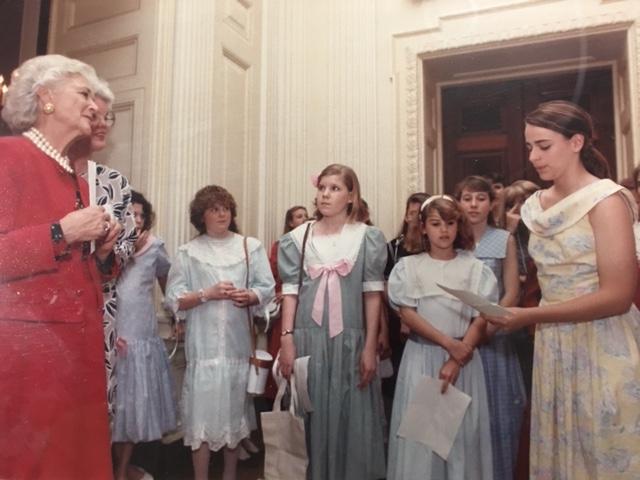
{"x":330,"y":282}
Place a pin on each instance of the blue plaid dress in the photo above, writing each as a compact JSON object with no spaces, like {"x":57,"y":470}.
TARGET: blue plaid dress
{"x":503,"y":376}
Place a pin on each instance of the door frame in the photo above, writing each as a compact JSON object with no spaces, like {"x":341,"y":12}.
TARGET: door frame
{"x":418,"y":149}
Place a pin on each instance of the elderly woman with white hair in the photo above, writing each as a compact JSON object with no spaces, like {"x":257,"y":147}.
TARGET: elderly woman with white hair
{"x":53,"y":410}
{"x":114,"y":193}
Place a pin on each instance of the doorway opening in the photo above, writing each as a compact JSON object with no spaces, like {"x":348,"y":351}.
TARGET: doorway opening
{"x":482,"y":130}
{"x":475,"y":101}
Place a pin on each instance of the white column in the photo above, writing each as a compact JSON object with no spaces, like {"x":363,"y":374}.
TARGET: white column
{"x":321,"y":103}
{"x":181,"y":150}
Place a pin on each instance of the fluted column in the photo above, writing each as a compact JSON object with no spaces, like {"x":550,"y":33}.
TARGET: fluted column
{"x":181,"y":143}
{"x":285,"y":118}
{"x":159,"y":178}
{"x":321,"y":102}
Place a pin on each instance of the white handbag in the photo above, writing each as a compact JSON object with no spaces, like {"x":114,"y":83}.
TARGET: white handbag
{"x":284,"y":437}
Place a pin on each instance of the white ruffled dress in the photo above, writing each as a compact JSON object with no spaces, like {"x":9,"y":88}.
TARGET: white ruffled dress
{"x":217,"y":344}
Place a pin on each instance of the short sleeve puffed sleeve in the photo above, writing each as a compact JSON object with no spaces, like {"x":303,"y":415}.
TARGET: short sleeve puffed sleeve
{"x":261,"y":280}
{"x":396,"y":286}
{"x":375,"y":260}
{"x":288,"y":264}
{"x":163,"y":264}
{"x":487,"y":287}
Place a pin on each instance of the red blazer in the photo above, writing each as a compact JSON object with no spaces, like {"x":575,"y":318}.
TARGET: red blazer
{"x":53,"y":413}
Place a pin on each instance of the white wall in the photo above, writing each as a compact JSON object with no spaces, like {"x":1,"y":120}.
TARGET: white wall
{"x":344,"y":83}
{"x":260,"y":95}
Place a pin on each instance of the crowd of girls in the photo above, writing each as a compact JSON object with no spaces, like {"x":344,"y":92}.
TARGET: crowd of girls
{"x":453,"y":240}
{"x":561,"y":261}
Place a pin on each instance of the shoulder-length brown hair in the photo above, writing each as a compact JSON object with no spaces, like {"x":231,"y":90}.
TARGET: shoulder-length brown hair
{"x":208,"y":197}
{"x":356,"y":211}
{"x":568,"y":119}
{"x":288,"y":217}
{"x":449,"y":209}
{"x":476,"y":183}
{"x":412,"y":234}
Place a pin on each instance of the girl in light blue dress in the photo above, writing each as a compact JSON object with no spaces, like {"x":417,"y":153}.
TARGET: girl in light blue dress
{"x":144,"y":406}
{"x":336,"y":323}
{"x":505,"y":384}
{"x":444,"y":334}
{"x":206,"y":288}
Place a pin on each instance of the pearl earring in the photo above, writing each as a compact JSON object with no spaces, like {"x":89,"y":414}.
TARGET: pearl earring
{"x":48,"y":108}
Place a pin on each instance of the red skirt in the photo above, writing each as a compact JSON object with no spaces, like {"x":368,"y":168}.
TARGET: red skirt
{"x":53,"y":409}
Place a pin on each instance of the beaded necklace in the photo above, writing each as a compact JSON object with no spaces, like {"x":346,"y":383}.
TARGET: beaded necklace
{"x":43,"y":145}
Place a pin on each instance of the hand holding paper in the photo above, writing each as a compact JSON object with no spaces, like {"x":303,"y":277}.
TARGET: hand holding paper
{"x":477,"y":302}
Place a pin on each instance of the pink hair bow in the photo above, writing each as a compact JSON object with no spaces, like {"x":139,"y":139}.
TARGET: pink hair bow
{"x":331,"y":282}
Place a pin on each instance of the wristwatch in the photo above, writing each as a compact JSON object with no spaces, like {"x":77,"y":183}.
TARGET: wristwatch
{"x":201,"y":296}
{"x":60,"y":247}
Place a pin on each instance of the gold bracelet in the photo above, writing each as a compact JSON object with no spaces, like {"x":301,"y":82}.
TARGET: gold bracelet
{"x":286,"y":332}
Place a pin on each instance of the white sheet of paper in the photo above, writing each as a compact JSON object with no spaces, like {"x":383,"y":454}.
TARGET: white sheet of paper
{"x":434,"y":418}
{"x":477,"y":302}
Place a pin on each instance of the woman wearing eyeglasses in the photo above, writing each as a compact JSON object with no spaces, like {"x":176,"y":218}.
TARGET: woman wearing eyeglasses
{"x":114,"y":193}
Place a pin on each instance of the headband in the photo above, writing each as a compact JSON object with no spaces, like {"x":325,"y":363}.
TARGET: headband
{"x":432,"y":198}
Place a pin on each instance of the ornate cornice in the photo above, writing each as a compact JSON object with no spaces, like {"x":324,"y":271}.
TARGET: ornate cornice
{"x":440,"y":43}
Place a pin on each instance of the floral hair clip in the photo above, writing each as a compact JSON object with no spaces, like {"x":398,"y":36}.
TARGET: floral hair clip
{"x":314,"y":180}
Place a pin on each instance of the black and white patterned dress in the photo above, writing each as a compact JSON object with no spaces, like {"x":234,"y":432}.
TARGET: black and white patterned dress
{"x":112,"y":188}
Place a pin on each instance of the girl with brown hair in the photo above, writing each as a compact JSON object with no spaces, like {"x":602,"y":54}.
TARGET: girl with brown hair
{"x":444,"y":333}
{"x":586,"y":374}
{"x":333,"y":317}
{"x":206,"y":287}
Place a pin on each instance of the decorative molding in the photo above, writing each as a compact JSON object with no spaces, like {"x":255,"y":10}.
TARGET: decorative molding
{"x":80,"y":13}
{"x":234,"y":58}
{"x":513,"y":5}
{"x":412,"y":133}
{"x":116,"y":59}
{"x":238,"y":17}
{"x":448,"y":44}
{"x":435,"y":43}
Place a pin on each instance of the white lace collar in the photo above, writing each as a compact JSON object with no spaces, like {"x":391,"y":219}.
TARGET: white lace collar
{"x":216,"y":252}
{"x":348,"y":242}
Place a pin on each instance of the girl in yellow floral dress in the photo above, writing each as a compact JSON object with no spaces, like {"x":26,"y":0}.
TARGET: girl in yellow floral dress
{"x":585,"y":420}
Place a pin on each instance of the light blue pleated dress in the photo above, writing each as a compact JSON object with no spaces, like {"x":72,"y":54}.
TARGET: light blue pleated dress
{"x":505,"y":384}
{"x":145,"y":402}
{"x":413,"y":284}
{"x":344,"y":431}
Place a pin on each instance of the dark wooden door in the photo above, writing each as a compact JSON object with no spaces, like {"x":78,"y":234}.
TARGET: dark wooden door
{"x":483,"y":124}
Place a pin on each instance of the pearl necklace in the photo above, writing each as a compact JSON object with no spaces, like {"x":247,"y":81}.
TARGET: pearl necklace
{"x":43,"y":145}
